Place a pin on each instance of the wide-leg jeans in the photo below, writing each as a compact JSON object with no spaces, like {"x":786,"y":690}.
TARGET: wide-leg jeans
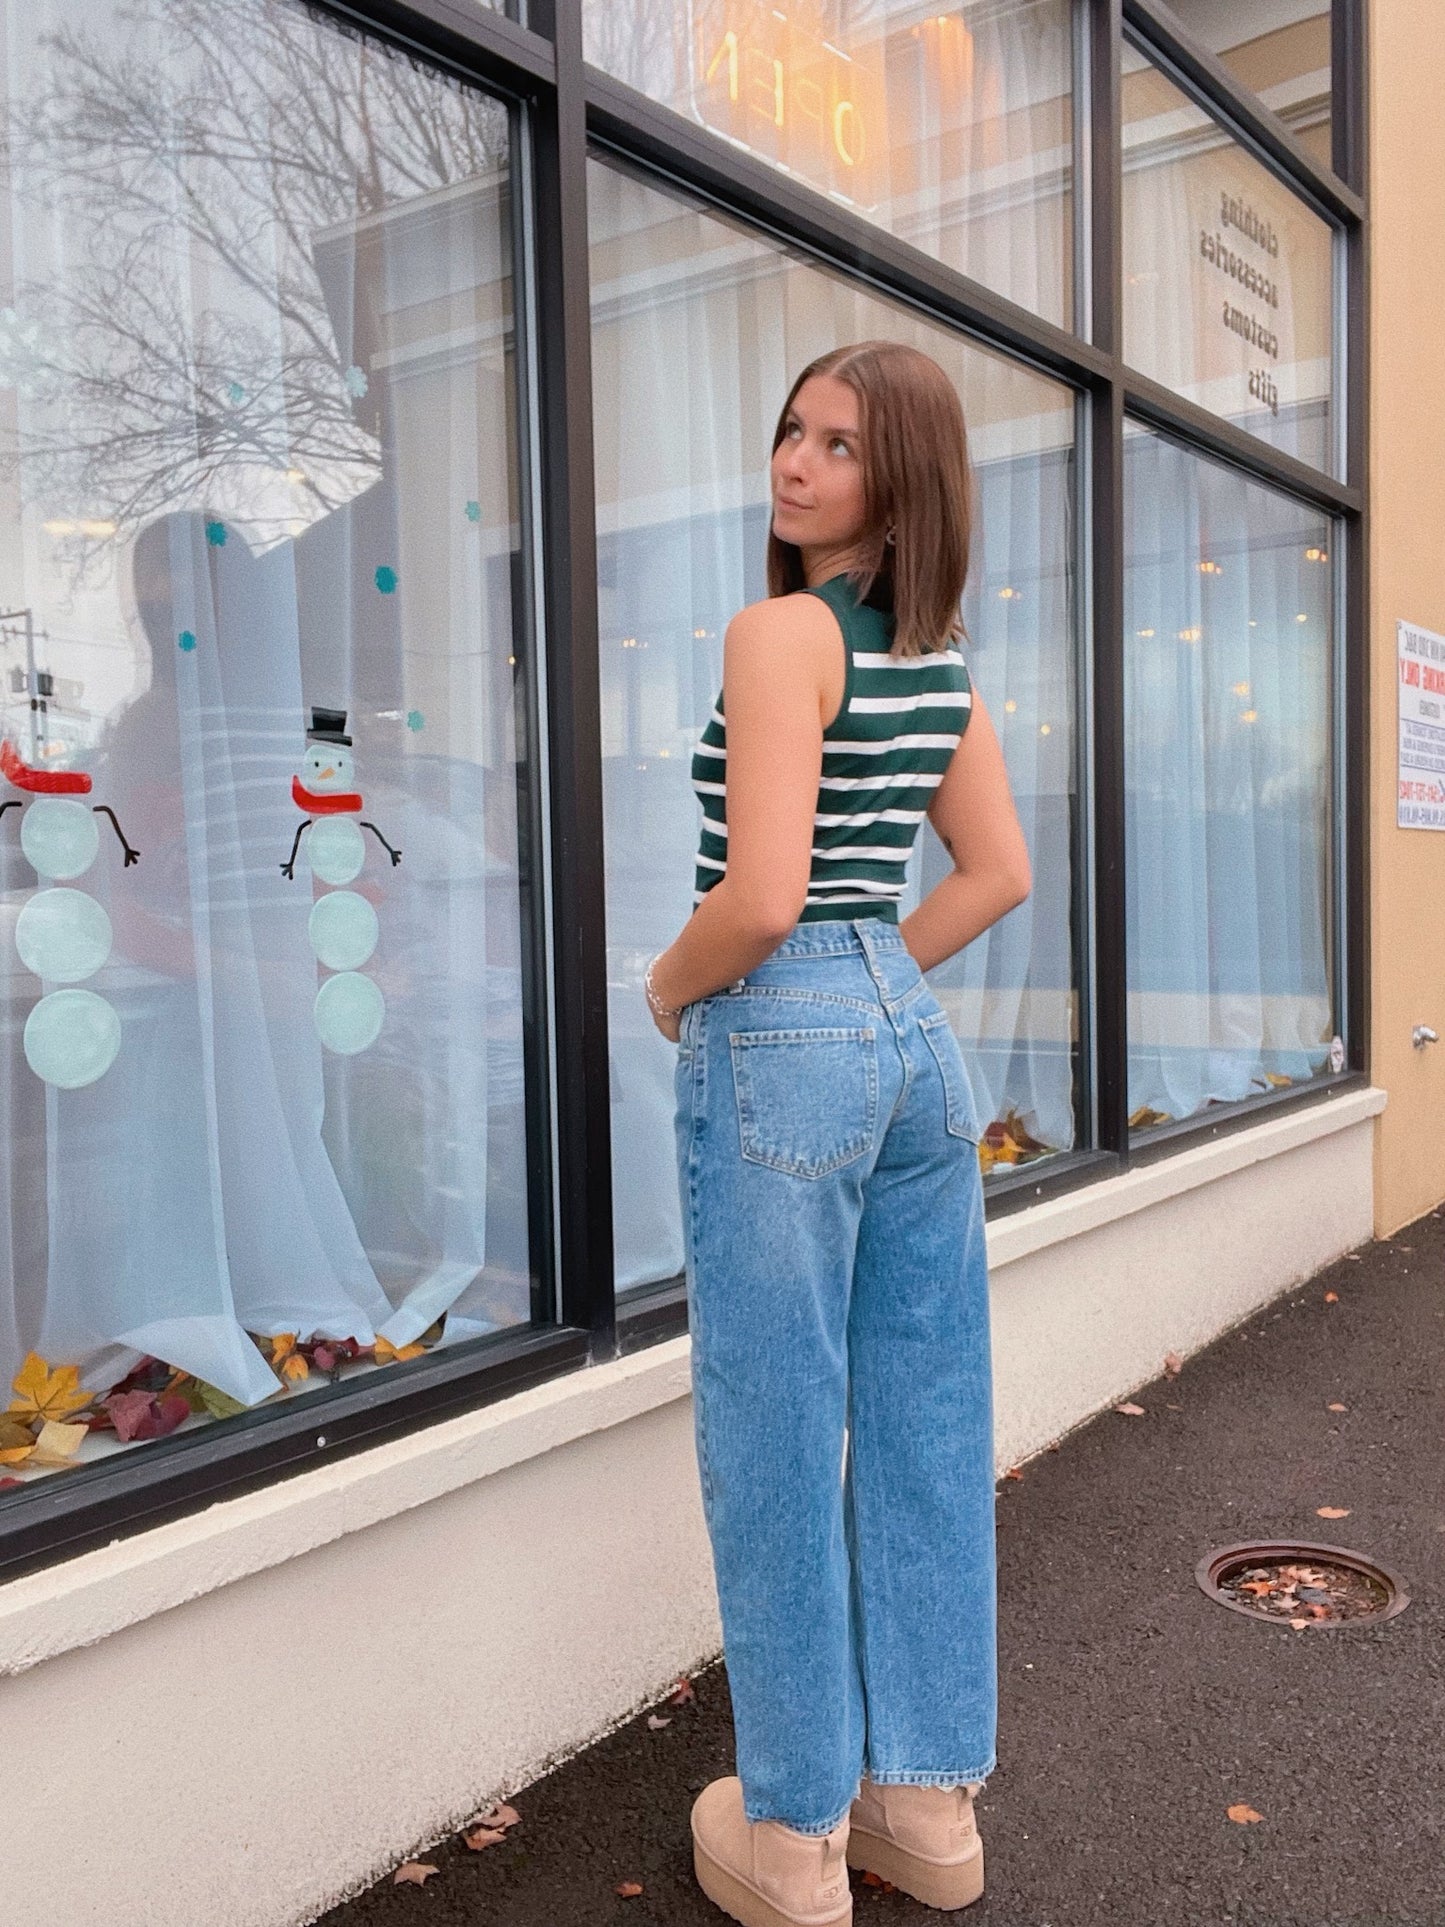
{"x":837,"y":1282}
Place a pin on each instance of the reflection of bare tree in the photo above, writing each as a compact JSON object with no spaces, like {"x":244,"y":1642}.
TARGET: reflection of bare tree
{"x":188,"y":155}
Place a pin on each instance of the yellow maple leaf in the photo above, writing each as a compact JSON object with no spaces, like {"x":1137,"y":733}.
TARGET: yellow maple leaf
{"x":386,"y":1351}
{"x":294,"y":1366}
{"x":50,"y":1393}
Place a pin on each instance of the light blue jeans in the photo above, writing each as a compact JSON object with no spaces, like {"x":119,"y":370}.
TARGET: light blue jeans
{"x":837,"y":1277}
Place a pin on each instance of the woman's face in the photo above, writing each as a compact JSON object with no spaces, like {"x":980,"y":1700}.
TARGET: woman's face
{"x":817,"y":473}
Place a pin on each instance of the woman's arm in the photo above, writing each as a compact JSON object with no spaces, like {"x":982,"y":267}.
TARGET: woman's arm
{"x":777,"y":656}
{"x":973,"y":813}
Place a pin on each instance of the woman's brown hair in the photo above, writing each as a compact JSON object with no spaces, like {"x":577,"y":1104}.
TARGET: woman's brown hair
{"x":916,"y":483}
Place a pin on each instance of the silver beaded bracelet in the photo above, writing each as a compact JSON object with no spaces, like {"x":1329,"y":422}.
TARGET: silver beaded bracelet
{"x":659,"y":1008}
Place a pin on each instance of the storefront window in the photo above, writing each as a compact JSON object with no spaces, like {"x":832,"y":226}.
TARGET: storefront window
{"x":699,"y":328}
{"x":1280,"y":49}
{"x":1228,"y":718}
{"x":1227,"y":274}
{"x":952,"y":126}
{"x":263,"y":1111}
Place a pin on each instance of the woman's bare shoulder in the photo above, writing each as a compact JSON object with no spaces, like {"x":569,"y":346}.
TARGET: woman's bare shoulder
{"x":795,"y":617}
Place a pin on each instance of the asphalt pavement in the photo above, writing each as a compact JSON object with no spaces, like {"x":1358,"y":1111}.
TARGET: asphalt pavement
{"x":1134,"y":1711}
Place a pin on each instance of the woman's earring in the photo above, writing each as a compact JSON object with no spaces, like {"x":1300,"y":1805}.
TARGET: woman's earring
{"x":888,"y":538}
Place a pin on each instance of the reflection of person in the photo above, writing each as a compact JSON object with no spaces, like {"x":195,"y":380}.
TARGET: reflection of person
{"x":827,"y":1143}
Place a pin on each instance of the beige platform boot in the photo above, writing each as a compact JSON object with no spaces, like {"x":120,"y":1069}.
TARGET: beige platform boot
{"x":763,"y":1873}
{"x":922,"y":1838}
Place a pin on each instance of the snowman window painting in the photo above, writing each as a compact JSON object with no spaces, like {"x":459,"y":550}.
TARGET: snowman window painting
{"x":62,"y":934}
{"x":350,"y":1007}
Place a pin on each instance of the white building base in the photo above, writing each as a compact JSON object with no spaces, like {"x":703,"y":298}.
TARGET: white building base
{"x":241,"y":1717}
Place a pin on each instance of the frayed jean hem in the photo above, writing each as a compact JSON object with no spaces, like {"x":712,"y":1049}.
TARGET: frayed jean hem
{"x":813,"y":1829}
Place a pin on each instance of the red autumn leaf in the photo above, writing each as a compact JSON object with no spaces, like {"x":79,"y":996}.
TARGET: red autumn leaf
{"x":418,"y":1872}
{"x":1173,"y":1364}
{"x":682,"y":1692}
{"x":1332,"y":1297}
{"x":141,"y":1415}
{"x":1243,"y":1815}
{"x":871,"y":1879}
{"x":7,"y":1481}
{"x":1013,"y":1473}
{"x":629,"y":1889}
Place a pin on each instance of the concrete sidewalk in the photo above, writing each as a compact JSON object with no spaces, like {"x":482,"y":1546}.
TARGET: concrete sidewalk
{"x":1133,"y":1710}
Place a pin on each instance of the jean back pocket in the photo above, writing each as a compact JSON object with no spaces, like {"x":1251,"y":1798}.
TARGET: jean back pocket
{"x":807,"y":1099}
{"x":961,"y":1114}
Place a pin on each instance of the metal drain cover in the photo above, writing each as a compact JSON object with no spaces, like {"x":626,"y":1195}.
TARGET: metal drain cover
{"x":1300,"y":1583}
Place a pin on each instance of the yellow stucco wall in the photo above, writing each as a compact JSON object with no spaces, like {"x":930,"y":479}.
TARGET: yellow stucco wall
{"x":1407,"y":374}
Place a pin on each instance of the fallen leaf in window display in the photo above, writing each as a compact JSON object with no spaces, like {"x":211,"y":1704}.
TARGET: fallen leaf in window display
{"x":1145,"y":1117}
{"x":17,"y":1441}
{"x":218,"y":1403}
{"x":143,"y":1415}
{"x":387,"y":1353}
{"x":58,"y":1443}
{"x":9,"y":1482}
{"x":416,"y":1872}
{"x":286,"y":1359}
{"x":52,"y":1394}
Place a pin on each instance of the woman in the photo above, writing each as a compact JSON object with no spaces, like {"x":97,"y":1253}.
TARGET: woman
{"x":827,"y":1152}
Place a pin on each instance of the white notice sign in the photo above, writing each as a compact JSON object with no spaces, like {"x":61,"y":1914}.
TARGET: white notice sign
{"x":1422,"y":728}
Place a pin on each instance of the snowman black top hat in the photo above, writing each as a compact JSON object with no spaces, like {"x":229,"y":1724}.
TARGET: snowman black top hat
{"x":328,"y":726}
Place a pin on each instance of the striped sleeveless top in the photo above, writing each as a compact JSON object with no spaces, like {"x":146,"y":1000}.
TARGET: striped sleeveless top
{"x":884,"y":755}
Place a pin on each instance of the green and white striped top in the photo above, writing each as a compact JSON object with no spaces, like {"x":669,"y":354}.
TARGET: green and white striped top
{"x":884,"y":754}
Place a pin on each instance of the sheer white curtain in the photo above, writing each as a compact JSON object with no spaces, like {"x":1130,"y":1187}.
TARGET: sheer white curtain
{"x":1228,"y":663}
{"x":698,"y":332}
{"x":254,"y":397}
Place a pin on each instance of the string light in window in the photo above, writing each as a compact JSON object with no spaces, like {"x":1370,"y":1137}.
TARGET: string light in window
{"x":1210,"y":568}
{"x":1045,"y":729}
{"x":1190,"y":635}
{"x":1248,"y":715}
{"x":1007,"y":594}
{"x":1010,"y":705}
{"x":1240,"y":689}
{"x":1317,"y":555}
{"x":1143,"y":632}
{"x":1301,"y":617}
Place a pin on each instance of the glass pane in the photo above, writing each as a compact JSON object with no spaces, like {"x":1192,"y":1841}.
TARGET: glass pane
{"x":1280,"y":49}
{"x":950,"y":126}
{"x":1229,"y":794}
{"x":1227,"y":274}
{"x":699,"y":328}
{"x":263,"y":1111}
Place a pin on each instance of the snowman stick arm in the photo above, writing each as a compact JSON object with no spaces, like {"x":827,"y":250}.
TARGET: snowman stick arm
{"x":131,"y":855}
{"x":288,"y":868}
{"x":13,"y":804}
{"x":395,"y":855}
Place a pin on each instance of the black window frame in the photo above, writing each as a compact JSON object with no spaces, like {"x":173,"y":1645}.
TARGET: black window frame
{"x":563,"y":109}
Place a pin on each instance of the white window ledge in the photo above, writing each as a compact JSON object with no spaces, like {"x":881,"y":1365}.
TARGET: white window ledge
{"x":83,"y":1599}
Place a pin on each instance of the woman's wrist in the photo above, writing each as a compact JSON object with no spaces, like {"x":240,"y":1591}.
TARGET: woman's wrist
{"x":659,"y":1004}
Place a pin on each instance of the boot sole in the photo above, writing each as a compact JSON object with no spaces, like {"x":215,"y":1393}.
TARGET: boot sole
{"x":954,"y":1883}
{"x":746,"y":1905}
